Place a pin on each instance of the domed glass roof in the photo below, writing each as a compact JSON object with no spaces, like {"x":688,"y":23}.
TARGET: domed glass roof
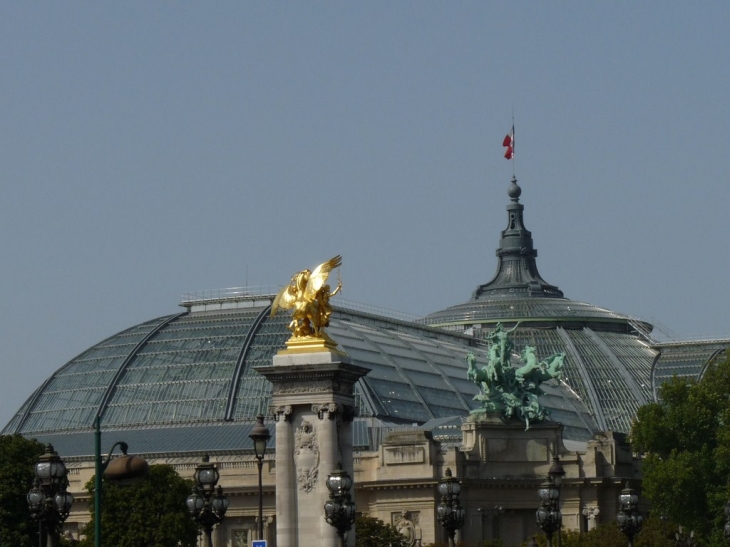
{"x":196,"y":369}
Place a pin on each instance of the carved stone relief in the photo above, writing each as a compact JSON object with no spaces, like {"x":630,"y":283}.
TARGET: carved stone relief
{"x":406,"y":522}
{"x":591,"y":513}
{"x":306,"y":456}
{"x":312,"y":386}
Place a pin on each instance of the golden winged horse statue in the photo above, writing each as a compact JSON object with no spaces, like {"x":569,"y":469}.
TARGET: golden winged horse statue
{"x":308,"y":295}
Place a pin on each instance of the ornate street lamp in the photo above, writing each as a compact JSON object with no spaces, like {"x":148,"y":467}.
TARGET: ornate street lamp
{"x":629,"y":519}
{"x":339,"y":510}
{"x":449,"y":512}
{"x":557,"y":472}
{"x":48,"y":500}
{"x":124,"y":470}
{"x":207,"y":504}
{"x":260,"y":436}
{"x":549,"y":518}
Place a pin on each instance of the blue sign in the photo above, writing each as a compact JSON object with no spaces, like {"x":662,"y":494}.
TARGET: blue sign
{"x":259,"y":543}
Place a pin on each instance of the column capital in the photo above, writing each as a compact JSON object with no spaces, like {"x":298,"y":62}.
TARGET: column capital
{"x":332,"y":410}
{"x":281,"y":412}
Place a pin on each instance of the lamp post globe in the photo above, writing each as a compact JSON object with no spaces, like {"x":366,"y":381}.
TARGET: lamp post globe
{"x":63,"y":502}
{"x":260,"y":436}
{"x":449,"y":512}
{"x":220,"y":502}
{"x":195,"y":502}
{"x":35,"y":498}
{"x":50,"y":469}
{"x":206,"y":475}
{"x":340,"y":510}
{"x":548,"y":516}
{"x":48,"y":501}
{"x":206,"y":504}
{"x":628,"y":518}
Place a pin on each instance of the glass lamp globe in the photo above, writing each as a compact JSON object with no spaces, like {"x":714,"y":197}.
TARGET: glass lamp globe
{"x":546,"y":492}
{"x":448,"y":486}
{"x":553,"y":493}
{"x":334,"y":484}
{"x":206,"y":475}
{"x":49,"y":468}
{"x":260,"y":436}
{"x":58,"y":469}
{"x":556,"y":517}
{"x":35,"y":498}
{"x":339,"y":482}
{"x":346,"y":482}
{"x":220,"y":503}
{"x":195,"y":502}
{"x":459,"y":515}
{"x":63,"y":502}
{"x":628,"y":499}
{"x":330,"y":509}
{"x":350,"y":510}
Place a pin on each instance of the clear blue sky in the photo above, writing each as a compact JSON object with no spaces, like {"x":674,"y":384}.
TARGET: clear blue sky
{"x":153,"y":148}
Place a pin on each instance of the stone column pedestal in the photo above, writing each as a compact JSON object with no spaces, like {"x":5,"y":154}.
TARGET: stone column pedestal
{"x":313,"y":402}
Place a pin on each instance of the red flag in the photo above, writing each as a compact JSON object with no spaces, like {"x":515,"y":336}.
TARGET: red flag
{"x":509,"y":142}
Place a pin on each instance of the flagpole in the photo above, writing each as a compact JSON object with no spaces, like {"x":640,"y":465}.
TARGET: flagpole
{"x":514,"y":160}
{"x":509,"y":143}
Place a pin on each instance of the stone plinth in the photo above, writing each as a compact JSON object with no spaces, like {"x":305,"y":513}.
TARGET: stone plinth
{"x":507,"y":449}
{"x":313,"y":403}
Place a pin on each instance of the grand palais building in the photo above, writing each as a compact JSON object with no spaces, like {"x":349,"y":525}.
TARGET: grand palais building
{"x":183,"y":385}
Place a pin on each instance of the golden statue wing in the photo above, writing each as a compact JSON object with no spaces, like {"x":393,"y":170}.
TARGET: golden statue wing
{"x":285,"y":299}
{"x":319,"y":276}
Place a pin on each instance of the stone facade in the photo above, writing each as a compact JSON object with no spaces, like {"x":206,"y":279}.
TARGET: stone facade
{"x":501,"y":467}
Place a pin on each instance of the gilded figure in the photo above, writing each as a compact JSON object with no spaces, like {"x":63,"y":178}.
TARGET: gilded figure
{"x":308,"y":296}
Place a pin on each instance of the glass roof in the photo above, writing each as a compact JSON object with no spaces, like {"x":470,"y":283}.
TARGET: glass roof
{"x":198,"y":367}
{"x":71,"y":398}
{"x":532,"y":309}
{"x":687,"y":359}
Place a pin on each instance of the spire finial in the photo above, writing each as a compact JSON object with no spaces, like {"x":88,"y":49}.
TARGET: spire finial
{"x":517,"y":275}
{"x":514,"y":190}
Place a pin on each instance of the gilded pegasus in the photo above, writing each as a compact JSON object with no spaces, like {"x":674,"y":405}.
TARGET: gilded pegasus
{"x":308,"y":295}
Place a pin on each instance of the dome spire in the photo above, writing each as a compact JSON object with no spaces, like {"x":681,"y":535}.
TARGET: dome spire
{"x":517,"y":275}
